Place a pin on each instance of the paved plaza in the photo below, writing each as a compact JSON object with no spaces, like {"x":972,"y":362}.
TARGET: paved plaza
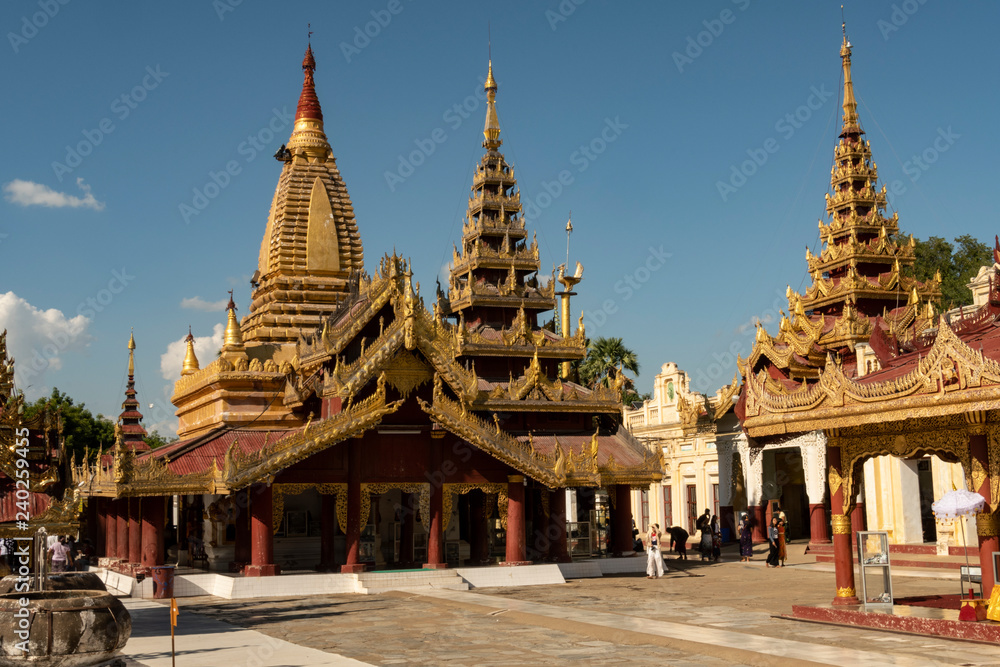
{"x":725,"y":613}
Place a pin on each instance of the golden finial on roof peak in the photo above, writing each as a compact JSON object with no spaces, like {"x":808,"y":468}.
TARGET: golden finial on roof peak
{"x":131,"y":356}
{"x":850,"y":104}
{"x":190,"y":359}
{"x":233,"y":337}
{"x":491,"y":131}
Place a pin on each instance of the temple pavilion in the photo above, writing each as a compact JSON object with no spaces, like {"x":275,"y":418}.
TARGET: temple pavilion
{"x":344,"y":425}
{"x":863,"y":368}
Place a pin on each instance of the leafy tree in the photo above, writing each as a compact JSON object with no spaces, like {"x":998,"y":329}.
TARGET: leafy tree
{"x":958,"y":263}
{"x":81,"y":429}
{"x":606,"y":359}
{"x":155,"y":440}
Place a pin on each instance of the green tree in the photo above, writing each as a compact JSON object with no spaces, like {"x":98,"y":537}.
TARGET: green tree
{"x":81,"y":429}
{"x":606,"y":359}
{"x":155,"y":440}
{"x":958,"y":263}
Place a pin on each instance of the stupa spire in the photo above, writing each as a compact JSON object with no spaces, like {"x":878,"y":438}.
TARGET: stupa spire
{"x":850,"y":104}
{"x":190,"y":360}
{"x":308,"y":102}
{"x":233,"y":338}
{"x":491,"y":131}
{"x":133,"y":434}
{"x":308,"y":139}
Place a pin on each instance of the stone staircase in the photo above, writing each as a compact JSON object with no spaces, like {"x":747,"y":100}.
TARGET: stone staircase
{"x":373,"y":583}
{"x":910,"y":555}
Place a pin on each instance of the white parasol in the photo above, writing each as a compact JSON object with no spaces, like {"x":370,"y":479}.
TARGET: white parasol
{"x":958,"y":504}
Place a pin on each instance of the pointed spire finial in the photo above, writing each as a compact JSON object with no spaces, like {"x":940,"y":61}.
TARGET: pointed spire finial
{"x":492,"y":129}
{"x":850,"y":104}
{"x":233,"y":338}
{"x":131,"y":350}
{"x":308,"y":102}
{"x":190,"y":359}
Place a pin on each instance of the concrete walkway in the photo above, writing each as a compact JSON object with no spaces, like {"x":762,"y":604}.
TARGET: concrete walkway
{"x":205,"y":642}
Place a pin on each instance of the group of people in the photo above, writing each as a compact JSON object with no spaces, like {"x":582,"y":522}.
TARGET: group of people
{"x":777,"y":552}
{"x":68,"y":555}
{"x":710,"y":545}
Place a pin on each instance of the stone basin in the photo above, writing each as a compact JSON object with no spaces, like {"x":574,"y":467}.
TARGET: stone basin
{"x":62,"y":581}
{"x":67,"y":628}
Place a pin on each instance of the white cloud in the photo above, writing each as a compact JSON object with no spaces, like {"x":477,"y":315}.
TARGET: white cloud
{"x":197,"y":303}
{"x":27,"y":193}
{"x":37,"y":340}
{"x":206,"y":348}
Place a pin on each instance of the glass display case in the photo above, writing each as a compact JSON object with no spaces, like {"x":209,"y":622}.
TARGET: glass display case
{"x":873,"y":560}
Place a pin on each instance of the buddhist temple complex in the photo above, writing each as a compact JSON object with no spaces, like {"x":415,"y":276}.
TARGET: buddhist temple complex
{"x":344,"y":426}
{"x":864,"y":374}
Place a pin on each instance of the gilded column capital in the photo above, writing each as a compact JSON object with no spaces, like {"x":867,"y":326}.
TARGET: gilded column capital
{"x":515,"y":479}
{"x":847,"y":592}
{"x":841,"y":524}
{"x":987,"y":524}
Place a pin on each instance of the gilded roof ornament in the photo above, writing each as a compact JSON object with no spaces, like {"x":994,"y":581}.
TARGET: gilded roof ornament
{"x":190,"y":359}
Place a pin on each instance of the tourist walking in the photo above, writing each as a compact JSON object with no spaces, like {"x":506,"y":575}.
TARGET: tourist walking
{"x":654,"y":559}
{"x":679,"y":541}
{"x":59,"y":555}
{"x":716,"y":538}
{"x":782,"y":551}
{"x":772,"y":543}
{"x":746,"y":538}
{"x":705,"y":526}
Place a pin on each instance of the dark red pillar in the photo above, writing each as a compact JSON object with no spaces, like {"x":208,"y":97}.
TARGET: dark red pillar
{"x":818,"y":532}
{"x":111,"y":533}
{"x":261,"y":533}
{"x":759,"y":522}
{"x":134,"y":531}
{"x":409,"y":515}
{"x":986,"y":521}
{"x":842,"y":553}
{"x":435,"y":526}
{"x":153,"y":520}
{"x":97,"y":509}
{"x":478,"y":536}
{"x":515,"y":521}
{"x":353,"y":530}
{"x":327,"y":532}
{"x":857,"y":522}
{"x":556,"y":532}
{"x":121,"y":523}
{"x":242,"y":549}
{"x":621,"y":522}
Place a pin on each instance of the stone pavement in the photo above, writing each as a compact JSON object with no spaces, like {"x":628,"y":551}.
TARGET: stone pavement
{"x":711,"y":614}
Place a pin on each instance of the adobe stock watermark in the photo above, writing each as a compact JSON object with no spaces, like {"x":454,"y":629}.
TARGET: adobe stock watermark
{"x":919,"y":163}
{"x":122,"y":107}
{"x":581,"y":159}
{"x":255,"y":143}
{"x":786,"y":126}
{"x":707,"y":379}
{"x":363,"y":35}
{"x":714,"y":28}
{"x":898,"y":17}
{"x":31,"y":25}
{"x":630,"y":283}
{"x":223,"y":7}
{"x":562,"y":12}
{"x":453,"y":117}
{"x":43,"y":355}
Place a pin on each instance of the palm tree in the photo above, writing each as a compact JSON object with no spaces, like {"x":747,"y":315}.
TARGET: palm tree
{"x":606,"y":359}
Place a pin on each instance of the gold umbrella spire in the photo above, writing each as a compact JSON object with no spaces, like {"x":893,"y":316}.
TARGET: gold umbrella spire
{"x":492,"y":129}
{"x":850,"y":104}
{"x":131,"y":350}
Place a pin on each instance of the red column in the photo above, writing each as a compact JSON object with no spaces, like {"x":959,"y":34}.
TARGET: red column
{"x":478,"y":536}
{"x":986,"y":522}
{"x":98,"y":529}
{"x":857,"y":522}
{"x":818,"y":533}
{"x":152,"y":531}
{"x":327,"y":532}
{"x":842,"y":554}
{"x":261,"y":533}
{"x":111,"y":526}
{"x":621,"y":523}
{"x":409,"y":514}
{"x":515,"y":521}
{"x":242,"y":549}
{"x":759,"y":523}
{"x":353,"y":531}
{"x":556,"y":533}
{"x":121,"y":522}
{"x":134,"y":531}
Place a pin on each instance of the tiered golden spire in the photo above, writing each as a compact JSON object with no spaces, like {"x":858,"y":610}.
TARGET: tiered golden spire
{"x":850,"y":105}
{"x":131,"y":351}
{"x":491,"y":131}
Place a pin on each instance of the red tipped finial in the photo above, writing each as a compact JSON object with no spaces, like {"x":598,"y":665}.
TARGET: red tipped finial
{"x":308,"y":102}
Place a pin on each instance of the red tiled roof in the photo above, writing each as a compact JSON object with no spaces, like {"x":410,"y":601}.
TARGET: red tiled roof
{"x":196,"y":454}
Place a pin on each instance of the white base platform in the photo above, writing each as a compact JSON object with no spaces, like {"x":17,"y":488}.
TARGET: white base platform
{"x":237,"y":587}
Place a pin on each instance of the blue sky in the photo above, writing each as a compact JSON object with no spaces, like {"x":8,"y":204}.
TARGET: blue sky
{"x":642,"y":109}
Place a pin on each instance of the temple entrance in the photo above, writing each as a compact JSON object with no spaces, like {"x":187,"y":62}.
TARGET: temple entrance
{"x":925,"y":482}
{"x":784,"y":481}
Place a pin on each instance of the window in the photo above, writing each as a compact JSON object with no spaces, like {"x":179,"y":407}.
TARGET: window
{"x":715,"y":499}
{"x":668,"y":508}
{"x":692,"y":507}
{"x":644,"y":504}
